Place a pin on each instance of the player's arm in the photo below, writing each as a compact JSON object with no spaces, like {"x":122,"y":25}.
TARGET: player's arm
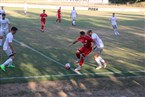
{"x":73,"y":43}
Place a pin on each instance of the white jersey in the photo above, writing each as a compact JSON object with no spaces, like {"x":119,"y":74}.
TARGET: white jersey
{"x":9,"y":38}
{"x":98,"y":41}
{"x":5,"y":24}
{"x":73,"y":13}
{"x":113,"y":20}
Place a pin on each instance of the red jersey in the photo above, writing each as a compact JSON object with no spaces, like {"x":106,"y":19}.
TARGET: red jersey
{"x":43,"y":15}
{"x":86,"y":40}
{"x":59,"y":12}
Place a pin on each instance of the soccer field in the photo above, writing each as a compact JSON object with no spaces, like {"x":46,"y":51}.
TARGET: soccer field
{"x":42,"y":55}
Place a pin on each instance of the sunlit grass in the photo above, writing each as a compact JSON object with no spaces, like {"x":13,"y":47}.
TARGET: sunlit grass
{"x":123,"y":53}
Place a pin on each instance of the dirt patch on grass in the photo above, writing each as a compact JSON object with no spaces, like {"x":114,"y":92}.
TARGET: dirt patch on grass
{"x":92,"y":87}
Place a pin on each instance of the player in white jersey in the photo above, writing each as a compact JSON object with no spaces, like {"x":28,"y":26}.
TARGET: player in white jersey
{"x":74,"y":16}
{"x":113,"y":20}
{"x":4,"y":27}
{"x":98,"y":48}
{"x":8,"y":48}
{"x":2,"y":11}
{"x":25,"y":8}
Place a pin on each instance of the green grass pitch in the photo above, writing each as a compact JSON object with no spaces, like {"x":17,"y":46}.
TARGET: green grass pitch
{"x":123,"y":53}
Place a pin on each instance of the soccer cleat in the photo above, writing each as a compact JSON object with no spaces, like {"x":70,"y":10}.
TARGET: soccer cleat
{"x":78,"y":68}
{"x":99,"y":67}
{"x":2,"y":67}
{"x":104,"y":64}
{"x":11,"y":66}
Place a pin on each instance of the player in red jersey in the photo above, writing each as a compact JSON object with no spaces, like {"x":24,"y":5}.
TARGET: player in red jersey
{"x":59,"y":15}
{"x":43,"y":17}
{"x":82,"y":52}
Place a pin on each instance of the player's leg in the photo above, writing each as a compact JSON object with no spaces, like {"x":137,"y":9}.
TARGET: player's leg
{"x":114,"y":28}
{"x":97,"y":52}
{"x":73,"y":21}
{"x":117,"y":29}
{"x":80,"y":58}
{"x":1,"y":38}
{"x":42,"y":25}
{"x":59,"y":19}
{"x":101,"y":59}
{"x":84,"y":53}
{"x":9,"y":60}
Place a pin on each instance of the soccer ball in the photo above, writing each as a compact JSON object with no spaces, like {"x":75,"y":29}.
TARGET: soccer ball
{"x":67,"y":66}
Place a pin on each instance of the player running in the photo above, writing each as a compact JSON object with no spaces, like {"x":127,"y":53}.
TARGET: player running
{"x":5,"y":27}
{"x":59,"y":15}
{"x":8,"y":48}
{"x":43,"y":17}
{"x":98,"y":48}
{"x":113,"y":20}
{"x":82,"y":52}
{"x":74,"y":16}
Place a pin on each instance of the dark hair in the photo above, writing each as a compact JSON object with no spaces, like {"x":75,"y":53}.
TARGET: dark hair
{"x":14,"y":29}
{"x":43,"y":9}
{"x":82,"y":33}
{"x":3,"y":14}
{"x":89,"y":31}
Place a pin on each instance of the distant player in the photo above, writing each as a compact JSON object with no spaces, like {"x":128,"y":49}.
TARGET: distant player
{"x":74,"y":16}
{"x":5,"y":27}
{"x":98,"y":48}
{"x":113,"y":20}
{"x":43,"y":17}
{"x":9,"y":49}
{"x":2,"y":11}
{"x":58,"y":15}
{"x":82,"y":52}
{"x":25,"y":8}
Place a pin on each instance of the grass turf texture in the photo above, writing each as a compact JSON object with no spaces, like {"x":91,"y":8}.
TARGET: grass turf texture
{"x":123,"y":53}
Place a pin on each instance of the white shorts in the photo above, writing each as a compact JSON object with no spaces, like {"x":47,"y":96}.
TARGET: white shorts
{"x":5,"y":31}
{"x":98,"y":50}
{"x":74,"y":18}
{"x":8,"y":52}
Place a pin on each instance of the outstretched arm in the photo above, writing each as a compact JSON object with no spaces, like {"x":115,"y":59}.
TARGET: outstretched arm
{"x":73,"y":43}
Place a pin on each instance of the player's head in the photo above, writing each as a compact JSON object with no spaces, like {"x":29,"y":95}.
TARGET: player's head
{"x":14,"y":30}
{"x":73,"y":8}
{"x":43,"y":10}
{"x":3,"y":15}
{"x":113,"y":14}
{"x":89,"y":32}
{"x":59,"y":7}
{"x":82,"y":33}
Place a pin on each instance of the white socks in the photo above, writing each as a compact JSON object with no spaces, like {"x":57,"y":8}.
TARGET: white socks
{"x":116,"y":32}
{"x":73,"y":22}
{"x":7,"y":62}
{"x":98,"y":61}
{"x":101,"y":59}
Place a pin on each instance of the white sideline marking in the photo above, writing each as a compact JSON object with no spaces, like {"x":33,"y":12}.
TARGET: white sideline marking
{"x":24,"y":45}
{"x":67,"y":75}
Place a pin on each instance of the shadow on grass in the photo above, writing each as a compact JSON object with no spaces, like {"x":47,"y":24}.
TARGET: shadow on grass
{"x":54,"y":43}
